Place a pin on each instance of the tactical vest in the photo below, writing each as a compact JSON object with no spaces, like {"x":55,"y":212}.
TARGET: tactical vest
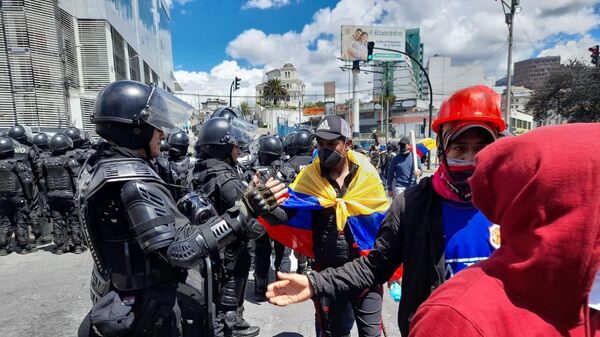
{"x":58,"y":174}
{"x":10,"y":185}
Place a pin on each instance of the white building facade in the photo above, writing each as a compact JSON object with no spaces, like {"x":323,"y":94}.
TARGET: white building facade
{"x":446,"y":78}
{"x":64,"y":55}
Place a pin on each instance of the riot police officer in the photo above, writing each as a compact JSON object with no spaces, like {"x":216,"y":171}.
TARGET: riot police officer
{"x":23,"y":137}
{"x":141,"y":243}
{"x":41,"y":145}
{"x":218,"y":147}
{"x":270,"y":150}
{"x":299,"y":148}
{"x":177,"y":167}
{"x":228,"y":112}
{"x":59,"y":173}
{"x":16,"y":185}
{"x":82,"y":146}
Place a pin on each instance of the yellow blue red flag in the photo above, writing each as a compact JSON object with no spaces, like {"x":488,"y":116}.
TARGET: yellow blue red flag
{"x":363,"y":207}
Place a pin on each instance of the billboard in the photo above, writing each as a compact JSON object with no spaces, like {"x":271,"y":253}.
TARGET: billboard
{"x":354,"y":42}
{"x":314,"y":111}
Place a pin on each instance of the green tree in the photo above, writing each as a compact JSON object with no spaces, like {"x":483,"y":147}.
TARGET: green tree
{"x":274,"y":91}
{"x":570,"y":92}
{"x":245,"y":107}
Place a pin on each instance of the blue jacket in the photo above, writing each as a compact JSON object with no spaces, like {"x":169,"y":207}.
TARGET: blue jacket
{"x":401,"y":170}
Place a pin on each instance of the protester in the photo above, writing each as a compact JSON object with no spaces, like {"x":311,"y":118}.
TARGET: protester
{"x":401,"y":173}
{"x":336,"y":205}
{"x":537,"y":283}
{"x":432,"y":228}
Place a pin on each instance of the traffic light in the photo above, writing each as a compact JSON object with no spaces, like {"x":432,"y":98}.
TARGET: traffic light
{"x":424,"y":126}
{"x":595,"y":50}
{"x":237,"y":83}
{"x":370,"y":46}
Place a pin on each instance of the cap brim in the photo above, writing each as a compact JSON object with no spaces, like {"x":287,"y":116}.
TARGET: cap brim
{"x":461,"y":128}
{"x":327,"y":135}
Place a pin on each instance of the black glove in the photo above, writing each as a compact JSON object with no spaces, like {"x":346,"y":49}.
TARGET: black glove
{"x":259,"y":200}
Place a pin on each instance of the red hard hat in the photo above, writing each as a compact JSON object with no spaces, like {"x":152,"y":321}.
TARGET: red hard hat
{"x":478,"y":103}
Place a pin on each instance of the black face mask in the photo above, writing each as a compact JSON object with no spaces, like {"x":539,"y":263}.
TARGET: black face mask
{"x":329,"y":158}
{"x":403,"y":149}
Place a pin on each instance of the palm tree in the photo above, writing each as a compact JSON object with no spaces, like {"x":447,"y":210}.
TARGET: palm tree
{"x":274,"y":91}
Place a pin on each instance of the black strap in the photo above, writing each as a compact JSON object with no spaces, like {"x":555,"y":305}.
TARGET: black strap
{"x":152,"y":223}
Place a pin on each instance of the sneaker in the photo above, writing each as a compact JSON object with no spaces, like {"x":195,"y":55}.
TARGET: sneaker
{"x":3,"y":252}
{"x":77,"y":250}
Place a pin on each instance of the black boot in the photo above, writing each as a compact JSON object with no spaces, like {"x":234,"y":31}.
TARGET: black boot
{"x":260,"y":288}
{"x":243,"y":328}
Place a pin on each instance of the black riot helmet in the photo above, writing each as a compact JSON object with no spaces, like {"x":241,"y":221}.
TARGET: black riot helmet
{"x":178,"y":144}
{"x":164,"y":146}
{"x":7,"y":147}
{"x":301,"y":143}
{"x":228,"y":112}
{"x":127,"y":112}
{"x":60,"y":143}
{"x":270,"y":149}
{"x":287,"y":142}
{"x":76,"y":135}
{"x":41,"y":140}
{"x":21,"y":134}
{"x":218,"y":135}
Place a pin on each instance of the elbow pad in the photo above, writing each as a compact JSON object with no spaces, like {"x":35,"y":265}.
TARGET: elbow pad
{"x":206,"y":239}
{"x":151,"y":220}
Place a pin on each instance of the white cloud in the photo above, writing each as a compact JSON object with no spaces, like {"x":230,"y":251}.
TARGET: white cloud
{"x":572,"y":49}
{"x":265,"y":4}
{"x":170,"y":3}
{"x":470,"y":31}
{"x":218,"y":80}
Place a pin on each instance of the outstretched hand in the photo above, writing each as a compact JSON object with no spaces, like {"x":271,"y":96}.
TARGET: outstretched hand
{"x":290,"y":289}
{"x":279,"y":190}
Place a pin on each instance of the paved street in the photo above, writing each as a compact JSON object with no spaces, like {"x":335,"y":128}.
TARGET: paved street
{"x":42,"y":294}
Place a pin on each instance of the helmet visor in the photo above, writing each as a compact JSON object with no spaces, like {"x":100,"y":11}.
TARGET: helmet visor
{"x":241,"y":132}
{"x":165,"y":111}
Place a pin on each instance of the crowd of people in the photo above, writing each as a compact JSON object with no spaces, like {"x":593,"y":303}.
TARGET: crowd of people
{"x":502,"y":239}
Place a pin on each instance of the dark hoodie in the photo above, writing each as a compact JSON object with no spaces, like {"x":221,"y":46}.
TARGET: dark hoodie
{"x":537,"y":283}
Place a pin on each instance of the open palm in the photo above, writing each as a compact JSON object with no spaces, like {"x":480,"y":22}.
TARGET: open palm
{"x":291,"y":288}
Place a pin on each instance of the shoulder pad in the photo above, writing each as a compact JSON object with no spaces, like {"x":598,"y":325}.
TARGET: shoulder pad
{"x":115,"y":170}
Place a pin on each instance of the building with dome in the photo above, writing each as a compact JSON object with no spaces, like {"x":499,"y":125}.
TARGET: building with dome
{"x":289,"y":80}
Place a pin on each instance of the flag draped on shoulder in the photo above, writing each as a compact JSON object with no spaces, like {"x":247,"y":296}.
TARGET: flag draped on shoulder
{"x":362,"y":207}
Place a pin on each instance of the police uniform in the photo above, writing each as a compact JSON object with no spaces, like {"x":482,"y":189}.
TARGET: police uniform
{"x":16,"y":186}
{"x":60,"y":171}
{"x":140,"y":242}
{"x":216,"y":176}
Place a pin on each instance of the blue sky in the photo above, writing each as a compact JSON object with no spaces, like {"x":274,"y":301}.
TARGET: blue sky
{"x":214,"y":41}
{"x":202,"y":29}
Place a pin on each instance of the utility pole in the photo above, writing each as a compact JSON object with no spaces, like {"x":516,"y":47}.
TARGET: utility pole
{"x":509,"y":15}
{"x":355,"y":102}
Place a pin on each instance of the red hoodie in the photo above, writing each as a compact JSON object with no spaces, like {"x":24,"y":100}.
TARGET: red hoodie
{"x":543,"y":188}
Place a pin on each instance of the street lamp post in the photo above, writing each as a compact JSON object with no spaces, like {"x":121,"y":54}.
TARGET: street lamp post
{"x":430,"y":91}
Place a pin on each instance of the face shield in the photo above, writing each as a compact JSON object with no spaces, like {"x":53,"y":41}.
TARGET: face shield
{"x":165,"y":111}
{"x":241,"y":133}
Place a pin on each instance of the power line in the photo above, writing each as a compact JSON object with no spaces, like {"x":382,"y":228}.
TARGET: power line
{"x":476,"y":64}
{"x":526,"y":35}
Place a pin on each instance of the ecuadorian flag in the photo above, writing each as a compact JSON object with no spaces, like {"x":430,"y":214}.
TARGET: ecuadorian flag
{"x":362,"y":208}
{"x":424,"y":146}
